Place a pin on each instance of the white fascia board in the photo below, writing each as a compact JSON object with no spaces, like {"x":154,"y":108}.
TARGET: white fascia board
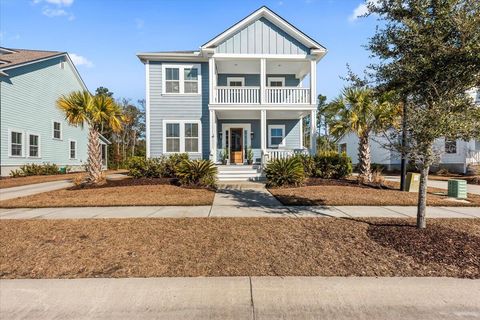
{"x":152,"y":56}
{"x":274,"y":18}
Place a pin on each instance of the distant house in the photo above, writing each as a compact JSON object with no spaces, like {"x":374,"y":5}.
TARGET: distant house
{"x":244,"y":91}
{"x":456,"y":155}
{"x":33,"y":129}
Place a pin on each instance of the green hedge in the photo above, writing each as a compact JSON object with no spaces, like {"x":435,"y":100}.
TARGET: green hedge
{"x":332,"y":165}
{"x":37,"y":170}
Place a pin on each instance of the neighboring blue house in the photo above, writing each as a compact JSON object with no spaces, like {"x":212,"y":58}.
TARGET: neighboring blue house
{"x":33,"y":129}
{"x":249,"y":87}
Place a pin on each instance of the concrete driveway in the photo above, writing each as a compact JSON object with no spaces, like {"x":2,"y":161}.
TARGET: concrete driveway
{"x":241,"y":298}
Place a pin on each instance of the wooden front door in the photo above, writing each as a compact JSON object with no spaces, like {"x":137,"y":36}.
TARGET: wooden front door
{"x":236,"y":147}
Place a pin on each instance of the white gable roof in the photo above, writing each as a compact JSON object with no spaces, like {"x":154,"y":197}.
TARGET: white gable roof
{"x":272,"y":17}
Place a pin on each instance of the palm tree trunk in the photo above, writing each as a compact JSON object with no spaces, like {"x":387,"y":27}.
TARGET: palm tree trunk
{"x":422,"y":198}
{"x":94,"y":165}
{"x":364,"y":158}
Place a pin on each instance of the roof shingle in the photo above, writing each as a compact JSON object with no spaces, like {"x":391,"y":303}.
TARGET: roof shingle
{"x":11,"y":57}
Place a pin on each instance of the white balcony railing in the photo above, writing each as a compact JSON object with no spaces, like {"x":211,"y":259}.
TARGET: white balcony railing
{"x":473,"y":157}
{"x":287,"y":95}
{"x":237,"y":95}
{"x":251,"y":95}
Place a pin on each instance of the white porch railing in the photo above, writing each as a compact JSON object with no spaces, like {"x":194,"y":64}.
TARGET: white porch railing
{"x":473,"y":157}
{"x":237,"y":95}
{"x":274,"y":154}
{"x":287,"y":95}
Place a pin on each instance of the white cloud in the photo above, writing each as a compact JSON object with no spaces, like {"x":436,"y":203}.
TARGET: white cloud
{"x":360,"y":11}
{"x":79,"y":60}
{"x":49,"y":12}
{"x":60,"y":3}
{"x":139,"y":23}
{"x":54,"y":8}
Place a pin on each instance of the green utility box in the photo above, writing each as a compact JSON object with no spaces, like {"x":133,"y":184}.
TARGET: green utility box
{"x":457,"y":189}
{"x":413,"y":182}
{"x":63,"y":170}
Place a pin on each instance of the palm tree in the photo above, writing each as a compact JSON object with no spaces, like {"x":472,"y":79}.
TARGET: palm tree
{"x":81,"y":108}
{"x":358,"y":110}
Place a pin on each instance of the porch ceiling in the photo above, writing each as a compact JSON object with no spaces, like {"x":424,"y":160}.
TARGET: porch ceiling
{"x":252,"y":66}
{"x":255,"y":114}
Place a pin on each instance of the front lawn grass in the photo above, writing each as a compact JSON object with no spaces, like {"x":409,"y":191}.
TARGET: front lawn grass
{"x":193,"y":247}
{"x":350,"y":193}
{"x":127,"y":192}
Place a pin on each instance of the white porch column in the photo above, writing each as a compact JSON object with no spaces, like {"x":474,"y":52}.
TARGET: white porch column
{"x":211,"y":79}
{"x":213,"y":136}
{"x":263,"y":129}
{"x":263,"y":79}
{"x":313,"y":132}
{"x":313,"y":81}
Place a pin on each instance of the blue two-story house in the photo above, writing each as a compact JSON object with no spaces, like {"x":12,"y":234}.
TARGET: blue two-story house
{"x":32,"y":128}
{"x":247,"y":88}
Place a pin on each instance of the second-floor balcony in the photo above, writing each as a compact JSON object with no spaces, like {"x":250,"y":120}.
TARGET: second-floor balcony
{"x":262,"y":81}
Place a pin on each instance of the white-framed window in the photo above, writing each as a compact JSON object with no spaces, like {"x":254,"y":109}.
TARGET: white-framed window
{"x":235,"y":81}
{"x":73,"y":149}
{"x":276,"y":81}
{"x":450,"y":146}
{"x":33,"y":145}
{"x":182,"y":136}
{"x":16,"y":143}
{"x":57,"y":130}
{"x":276,"y":135}
{"x":343,"y":148}
{"x":182,"y":79}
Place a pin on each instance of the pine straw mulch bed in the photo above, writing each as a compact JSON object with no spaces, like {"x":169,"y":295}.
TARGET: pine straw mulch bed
{"x":192,"y":247}
{"x":350,"y":193}
{"x":8,"y":182}
{"x":126,"y":192}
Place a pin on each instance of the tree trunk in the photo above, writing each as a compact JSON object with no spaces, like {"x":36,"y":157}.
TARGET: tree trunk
{"x":364,"y":158}
{"x":422,"y":198}
{"x":94,"y":165}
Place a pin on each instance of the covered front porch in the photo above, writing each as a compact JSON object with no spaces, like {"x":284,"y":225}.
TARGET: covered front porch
{"x":256,"y":136}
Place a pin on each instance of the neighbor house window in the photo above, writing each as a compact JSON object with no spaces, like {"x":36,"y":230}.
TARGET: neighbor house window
{"x":173,"y":137}
{"x":182,"y":136}
{"x":16,"y":147}
{"x":276,"y":136}
{"x":450,"y":146}
{"x":57,"y":130}
{"x":276,"y":82}
{"x":191,"y":137}
{"x":73,"y":149}
{"x":33,"y":145}
{"x":343,"y":148}
{"x":181,"y":79}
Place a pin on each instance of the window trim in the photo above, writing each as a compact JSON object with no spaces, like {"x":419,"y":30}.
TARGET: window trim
{"x":276,"y":126}
{"x":240,"y":79}
{"x":10,"y":143}
{"x":281,"y":79}
{"x":27,"y":145}
{"x":181,"y":77}
{"x":53,"y":130}
{"x":182,"y":136}
{"x":70,"y":149}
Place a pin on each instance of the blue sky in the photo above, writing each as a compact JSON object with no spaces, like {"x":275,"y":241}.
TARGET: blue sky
{"x":103,"y":36}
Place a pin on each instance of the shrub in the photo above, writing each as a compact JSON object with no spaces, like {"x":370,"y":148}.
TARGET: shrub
{"x":171,"y":164}
{"x":35,"y":170}
{"x":139,"y":167}
{"x":198,"y":173}
{"x":308,"y":163}
{"x":332,"y":165}
{"x":285,"y":172}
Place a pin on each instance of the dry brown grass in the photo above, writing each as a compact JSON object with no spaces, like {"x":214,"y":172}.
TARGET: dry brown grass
{"x":349,"y":193}
{"x":238,"y":247}
{"x":128,"y":192}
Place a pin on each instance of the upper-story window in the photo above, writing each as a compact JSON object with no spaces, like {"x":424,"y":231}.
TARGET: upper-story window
{"x":276,"y":82}
{"x":236,"y":81}
{"x":450,"y":146}
{"x":181,"y":79}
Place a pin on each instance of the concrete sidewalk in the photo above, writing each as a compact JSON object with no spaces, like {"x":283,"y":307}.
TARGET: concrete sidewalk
{"x":30,"y":189}
{"x":241,"y":298}
{"x":237,"y":211}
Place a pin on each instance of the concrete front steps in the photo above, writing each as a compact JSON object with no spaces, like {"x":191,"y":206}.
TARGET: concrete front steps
{"x":239,"y":173}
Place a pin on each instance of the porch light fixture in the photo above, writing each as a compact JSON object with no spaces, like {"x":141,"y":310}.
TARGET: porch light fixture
{"x":220,"y":133}
{"x":251,"y":135}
